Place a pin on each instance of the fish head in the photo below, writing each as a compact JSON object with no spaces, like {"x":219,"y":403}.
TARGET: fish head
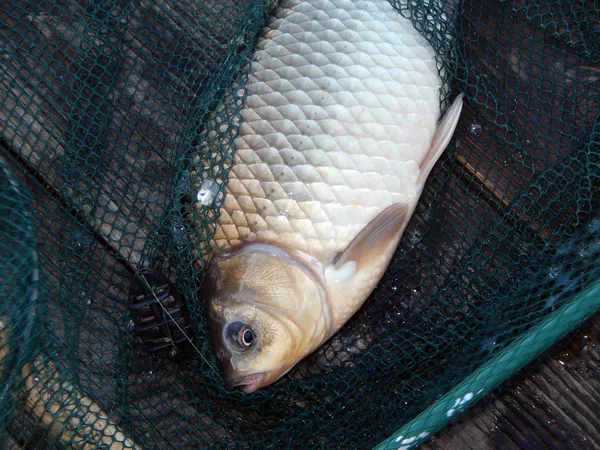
{"x":266,"y":310}
{"x":269,"y":307}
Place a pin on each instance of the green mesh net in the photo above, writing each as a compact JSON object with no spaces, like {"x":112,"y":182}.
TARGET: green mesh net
{"x":113,"y":114}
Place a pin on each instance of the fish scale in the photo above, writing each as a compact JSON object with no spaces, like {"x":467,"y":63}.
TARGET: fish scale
{"x":342,"y":104}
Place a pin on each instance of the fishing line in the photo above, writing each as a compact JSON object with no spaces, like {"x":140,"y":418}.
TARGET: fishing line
{"x":175,"y":322}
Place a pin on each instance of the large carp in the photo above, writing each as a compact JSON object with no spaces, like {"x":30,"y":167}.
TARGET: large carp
{"x":340,"y":132}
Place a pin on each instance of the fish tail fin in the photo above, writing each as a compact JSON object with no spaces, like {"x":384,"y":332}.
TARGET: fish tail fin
{"x":440,"y":141}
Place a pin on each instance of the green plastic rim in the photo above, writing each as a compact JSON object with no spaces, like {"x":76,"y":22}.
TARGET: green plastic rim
{"x":497,"y":370}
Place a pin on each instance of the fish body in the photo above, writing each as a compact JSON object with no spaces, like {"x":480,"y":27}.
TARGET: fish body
{"x":339,"y":133}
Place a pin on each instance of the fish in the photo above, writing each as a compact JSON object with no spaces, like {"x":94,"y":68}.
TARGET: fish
{"x":340,"y":130}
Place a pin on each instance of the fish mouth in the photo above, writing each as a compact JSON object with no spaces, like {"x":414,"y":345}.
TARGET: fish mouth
{"x":248,"y":383}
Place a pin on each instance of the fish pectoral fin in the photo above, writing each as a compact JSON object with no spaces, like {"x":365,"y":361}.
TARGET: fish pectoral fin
{"x":354,"y":273}
{"x":374,"y":241}
{"x":440,"y":141}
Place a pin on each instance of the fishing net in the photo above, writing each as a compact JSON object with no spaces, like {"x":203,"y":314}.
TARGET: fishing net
{"x":117,"y":120}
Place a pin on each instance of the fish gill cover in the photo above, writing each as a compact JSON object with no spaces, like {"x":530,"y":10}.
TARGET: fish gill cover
{"x":117,"y":119}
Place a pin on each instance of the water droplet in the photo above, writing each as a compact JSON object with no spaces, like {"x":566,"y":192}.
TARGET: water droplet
{"x":565,"y":281}
{"x":489,"y":344}
{"x":475,"y":129}
{"x":81,"y":241}
{"x":553,"y":273}
{"x":130,"y":325}
{"x":428,"y":214}
{"x":84,"y":301}
{"x":594,"y":226}
{"x":414,"y":236}
{"x":566,"y":248}
{"x":176,"y":354}
{"x":178,"y":230}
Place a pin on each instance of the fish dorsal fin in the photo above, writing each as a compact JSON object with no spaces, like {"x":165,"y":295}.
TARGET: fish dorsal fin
{"x":375,"y":238}
{"x":440,"y":141}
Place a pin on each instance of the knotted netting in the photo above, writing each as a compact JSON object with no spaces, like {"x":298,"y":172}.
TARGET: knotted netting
{"x":116,"y":115}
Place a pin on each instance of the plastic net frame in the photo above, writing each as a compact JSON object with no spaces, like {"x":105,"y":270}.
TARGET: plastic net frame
{"x":114,"y":116}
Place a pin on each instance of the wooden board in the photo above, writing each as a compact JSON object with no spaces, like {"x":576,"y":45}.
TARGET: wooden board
{"x":95,"y":350}
{"x":103,"y":111}
{"x":522,"y":142}
{"x":553,"y":404}
{"x":534,"y":103}
{"x":10,"y":444}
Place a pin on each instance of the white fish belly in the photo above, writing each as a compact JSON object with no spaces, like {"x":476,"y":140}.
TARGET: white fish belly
{"x":343,"y":102}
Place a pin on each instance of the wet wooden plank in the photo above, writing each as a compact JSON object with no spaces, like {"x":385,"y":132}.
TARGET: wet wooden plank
{"x":72,"y":417}
{"x":103,"y":110}
{"x":86,"y":286}
{"x":533,"y":105}
{"x":523,"y":136}
{"x":553,"y":404}
{"x":10,"y":444}
{"x":82,"y":325}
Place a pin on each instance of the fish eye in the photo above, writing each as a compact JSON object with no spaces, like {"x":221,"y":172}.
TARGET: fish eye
{"x":241,"y":334}
{"x":246,"y":338}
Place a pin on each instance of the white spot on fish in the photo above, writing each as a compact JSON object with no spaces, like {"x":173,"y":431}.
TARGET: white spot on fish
{"x":399,"y":438}
{"x":207,"y":193}
{"x":343,"y":273}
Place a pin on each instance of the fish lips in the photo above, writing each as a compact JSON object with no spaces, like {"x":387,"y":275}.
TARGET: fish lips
{"x":248,"y":383}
